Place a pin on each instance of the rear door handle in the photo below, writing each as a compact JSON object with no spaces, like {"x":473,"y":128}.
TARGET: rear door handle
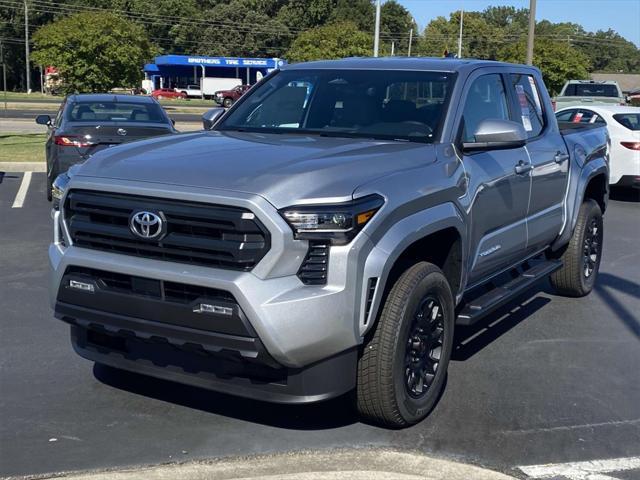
{"x":522,"y":167}
{"x":560,"y":157}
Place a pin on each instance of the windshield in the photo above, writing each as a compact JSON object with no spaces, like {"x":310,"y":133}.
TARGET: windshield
{"x":591,"y":90}
{"x":384,"y":104}
{"x":629,"y":120}
{"x":115,"y":112}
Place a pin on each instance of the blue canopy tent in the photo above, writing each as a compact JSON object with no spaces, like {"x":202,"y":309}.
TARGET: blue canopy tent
{"x":175,"y":70}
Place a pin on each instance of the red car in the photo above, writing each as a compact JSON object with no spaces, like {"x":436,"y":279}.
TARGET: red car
{"x":161,"y":93}
{"x":226,"y":98}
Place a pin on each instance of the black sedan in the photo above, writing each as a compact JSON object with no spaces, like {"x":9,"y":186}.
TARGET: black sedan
{"x":88,"y":123}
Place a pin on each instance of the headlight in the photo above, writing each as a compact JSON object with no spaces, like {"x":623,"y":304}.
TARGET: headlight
{"x":58,"y":188}
{"x":339,"y":223}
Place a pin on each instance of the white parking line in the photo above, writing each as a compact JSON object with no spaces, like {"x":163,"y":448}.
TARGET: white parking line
{"x":590,"y":470}
{"x":22,"y":191}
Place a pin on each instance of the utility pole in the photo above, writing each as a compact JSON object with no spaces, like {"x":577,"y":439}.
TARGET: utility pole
{"x":532,"y":28}
{"x":26,"y":46}
{"x":410,"y":41}
{"x":460,"y":35}
{"x":376,"y":35}
{"x":4,"y":77}
{"x":393,"y":48}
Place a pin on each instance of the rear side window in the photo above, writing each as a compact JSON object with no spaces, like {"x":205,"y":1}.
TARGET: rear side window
{"x":628,"y":120}
{"x":565,"y":116}
{"x":530,"y":111}
{"x":486,"y":99}
{"x":115,"y":112}
{"x":588,"y":116}
{"x":591,"y":90}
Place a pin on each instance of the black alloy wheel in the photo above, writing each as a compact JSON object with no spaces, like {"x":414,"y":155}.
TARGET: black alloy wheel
{"x":424,"y":347}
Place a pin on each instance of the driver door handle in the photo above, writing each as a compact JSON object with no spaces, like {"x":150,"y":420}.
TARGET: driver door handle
{"x":560,"y":157}
{"x":523,"y":167}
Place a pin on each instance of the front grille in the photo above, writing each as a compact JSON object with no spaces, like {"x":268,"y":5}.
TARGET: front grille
{"x":315,"y":266}
{"x":196,"y":233}
{"x":147,"y":287}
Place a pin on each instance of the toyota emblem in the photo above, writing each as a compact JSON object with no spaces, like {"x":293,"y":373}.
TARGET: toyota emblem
{"x":147,"y":225}
{"x":122,"y":132}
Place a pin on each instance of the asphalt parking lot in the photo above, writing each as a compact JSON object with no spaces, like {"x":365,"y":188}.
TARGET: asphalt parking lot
{"x":546,"y":381}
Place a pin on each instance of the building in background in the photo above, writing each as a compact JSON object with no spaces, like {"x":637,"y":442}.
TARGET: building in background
{"x":209,"y":73}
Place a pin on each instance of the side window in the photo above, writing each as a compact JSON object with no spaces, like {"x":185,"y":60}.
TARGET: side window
{"x":485,"y":99}
{"x":58,"y":119}
{"x":588,"y":116}
{"x":530,"y":111}
{"x":565,"y":116}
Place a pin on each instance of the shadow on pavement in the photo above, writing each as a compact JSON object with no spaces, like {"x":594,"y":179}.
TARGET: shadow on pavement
{"x":470,"y":340}
{"x":625,"y":194}
{"x":331,"y":414}
{"x":607,"y":282}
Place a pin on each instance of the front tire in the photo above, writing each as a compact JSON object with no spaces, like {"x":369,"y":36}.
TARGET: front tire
{"x":581,"y":259}
{"x":227,"y":102}
{"x":403,"y":365}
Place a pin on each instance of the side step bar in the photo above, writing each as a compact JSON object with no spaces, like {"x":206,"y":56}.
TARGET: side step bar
{"x":477,"y":308}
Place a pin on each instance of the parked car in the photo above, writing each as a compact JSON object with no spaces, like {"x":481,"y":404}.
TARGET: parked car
{"x":583,"y":92}
{"x":633,"y":98}
{"x":623,"y":124}
{"x":86,"y":124}
{"x":226,"y":98}
{"x":191,"y":91}
{"x":171,"y":93}
{"x":329,"y":232}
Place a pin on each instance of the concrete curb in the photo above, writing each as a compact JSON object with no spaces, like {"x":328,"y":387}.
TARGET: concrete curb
{"x":333,"y":465}
{"x":23,"y":167}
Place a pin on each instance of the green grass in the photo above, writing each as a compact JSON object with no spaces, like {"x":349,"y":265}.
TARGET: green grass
{"x":22,"y":148}
{"x":194,"y":102}
{"x":17,"y":96}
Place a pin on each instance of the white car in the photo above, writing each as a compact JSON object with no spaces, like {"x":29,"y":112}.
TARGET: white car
{"x":191,"y":91}
{"x":623,"y":123}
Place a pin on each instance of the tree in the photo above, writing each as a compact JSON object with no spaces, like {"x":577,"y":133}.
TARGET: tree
{"x":395,"y":24}
{"x":558,"y":61}
{"x":245,"y":32}
{"x":305,"y":14}
{"x":94,"y":51}
{"x":334,"y":40}
{"x":360,"y":12}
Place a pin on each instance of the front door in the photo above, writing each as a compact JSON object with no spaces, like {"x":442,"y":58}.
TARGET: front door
{"x":498,"y":195}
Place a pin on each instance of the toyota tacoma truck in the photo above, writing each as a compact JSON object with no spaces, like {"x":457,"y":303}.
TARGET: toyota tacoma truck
{"x":328,"y":233}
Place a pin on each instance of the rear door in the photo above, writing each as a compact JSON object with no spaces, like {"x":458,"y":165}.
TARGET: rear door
{"x":498,"y":195}
{"x":547,"y":153}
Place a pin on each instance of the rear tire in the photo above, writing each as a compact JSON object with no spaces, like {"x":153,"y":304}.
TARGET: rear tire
{"x":581,"y":259}
{"x":403,"y":365}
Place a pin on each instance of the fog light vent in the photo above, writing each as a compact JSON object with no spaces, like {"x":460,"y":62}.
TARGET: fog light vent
{"x":85,"y":287}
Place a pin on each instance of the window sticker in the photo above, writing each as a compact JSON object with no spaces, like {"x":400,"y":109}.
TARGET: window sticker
{"x":536,"y":97}
{"x":524,"y":108}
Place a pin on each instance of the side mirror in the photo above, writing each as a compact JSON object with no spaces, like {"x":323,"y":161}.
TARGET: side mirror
{"x":43,"y":120}
{"x":495,"y":133}
{"x":210,"y":117}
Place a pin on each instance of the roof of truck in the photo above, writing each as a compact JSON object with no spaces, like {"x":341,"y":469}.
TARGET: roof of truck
{"x":400,"y":63}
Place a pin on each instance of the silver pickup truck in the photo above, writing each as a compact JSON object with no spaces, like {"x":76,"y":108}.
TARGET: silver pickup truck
{"x":328,"y":233}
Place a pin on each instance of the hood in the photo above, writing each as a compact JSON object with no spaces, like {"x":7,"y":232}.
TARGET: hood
{"x":286,"y":169}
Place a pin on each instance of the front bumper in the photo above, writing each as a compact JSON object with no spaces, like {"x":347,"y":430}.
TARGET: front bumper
{"x":304,"y":332}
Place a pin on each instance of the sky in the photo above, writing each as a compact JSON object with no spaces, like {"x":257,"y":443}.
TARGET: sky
{"x":622,"y":16}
